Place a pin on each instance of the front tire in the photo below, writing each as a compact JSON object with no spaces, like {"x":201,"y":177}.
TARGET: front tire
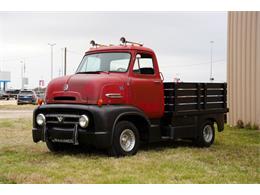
{"x":56,"y":147}
{"x":206,"y":135}
{"x":126,"y":139}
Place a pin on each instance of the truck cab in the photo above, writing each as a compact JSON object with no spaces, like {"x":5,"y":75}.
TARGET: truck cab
{"x":115,"y":100}
{"x":126,"y":75}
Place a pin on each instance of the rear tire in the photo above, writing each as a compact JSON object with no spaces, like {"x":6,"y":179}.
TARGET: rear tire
{"x":206,"y":135}
{"x":126,"y":139}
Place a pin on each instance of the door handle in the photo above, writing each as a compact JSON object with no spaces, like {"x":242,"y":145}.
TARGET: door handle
{"x":156,"y":81}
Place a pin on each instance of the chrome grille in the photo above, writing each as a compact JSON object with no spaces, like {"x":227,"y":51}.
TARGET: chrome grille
{"x":62,"y":118}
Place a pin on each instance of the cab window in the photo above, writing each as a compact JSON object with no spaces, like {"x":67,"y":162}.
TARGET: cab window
{"x":144,"y":64}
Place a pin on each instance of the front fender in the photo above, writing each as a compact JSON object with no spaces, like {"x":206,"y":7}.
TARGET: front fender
{"x":104,"y":117}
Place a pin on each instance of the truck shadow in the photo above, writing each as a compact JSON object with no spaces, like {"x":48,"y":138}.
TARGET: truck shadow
{"x":153,"y":147}
{"x":160,"y":146}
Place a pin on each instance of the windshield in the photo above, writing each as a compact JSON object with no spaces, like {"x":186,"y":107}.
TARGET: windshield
{"x":104,"y":62}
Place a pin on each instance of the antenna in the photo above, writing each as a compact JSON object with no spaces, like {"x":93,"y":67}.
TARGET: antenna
{"x":124,"y":41}
{"x":94,"y":44}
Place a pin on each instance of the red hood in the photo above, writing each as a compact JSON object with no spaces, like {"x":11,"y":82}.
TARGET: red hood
{"x":85,"y":88}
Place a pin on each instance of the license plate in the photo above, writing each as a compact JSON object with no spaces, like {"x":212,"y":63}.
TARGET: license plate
{"x":63,"y":140}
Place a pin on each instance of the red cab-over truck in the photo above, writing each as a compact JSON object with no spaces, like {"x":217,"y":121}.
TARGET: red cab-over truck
{"x":117,"y":99}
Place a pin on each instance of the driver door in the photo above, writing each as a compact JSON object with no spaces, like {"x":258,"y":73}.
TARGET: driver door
{"x":147,"y":86}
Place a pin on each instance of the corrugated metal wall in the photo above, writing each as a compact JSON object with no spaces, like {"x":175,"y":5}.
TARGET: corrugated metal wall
{"x":244,"y":67}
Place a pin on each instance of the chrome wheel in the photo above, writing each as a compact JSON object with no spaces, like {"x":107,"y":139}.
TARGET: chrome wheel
{"x":127,"y":140}
{"x":208,"y":133}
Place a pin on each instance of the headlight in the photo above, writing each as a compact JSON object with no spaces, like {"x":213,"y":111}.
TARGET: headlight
{"x":40,"y":119}
{"x":83,"y":121}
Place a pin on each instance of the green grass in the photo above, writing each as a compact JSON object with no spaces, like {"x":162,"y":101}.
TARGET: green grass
{"x":234,"y":158}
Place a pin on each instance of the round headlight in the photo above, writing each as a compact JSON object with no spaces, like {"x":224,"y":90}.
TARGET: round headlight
{"x":40,"y":119}
{"x":83,"y":121}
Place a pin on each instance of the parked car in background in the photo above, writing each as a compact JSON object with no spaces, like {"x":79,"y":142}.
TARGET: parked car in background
{"x":1,"y":94}
{"x":40,"y":95}
{"x":4,"y":95}
{"x":12,"y":93}
{"x":40,"y":91}
{"x":27,"y":97}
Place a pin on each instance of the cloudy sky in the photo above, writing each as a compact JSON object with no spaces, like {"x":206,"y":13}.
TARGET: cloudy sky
{"x":181,"y":41}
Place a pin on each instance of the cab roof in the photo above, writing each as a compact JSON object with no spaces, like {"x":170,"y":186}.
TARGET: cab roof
{"x":119,"y":48}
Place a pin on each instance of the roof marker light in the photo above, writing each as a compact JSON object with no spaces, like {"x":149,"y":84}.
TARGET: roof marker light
{"x":124,"y":41}
{"x":94,"y":44}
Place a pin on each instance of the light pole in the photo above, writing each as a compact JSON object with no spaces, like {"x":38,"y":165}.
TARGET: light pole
{"x":22,"y":73}
{"x":51,"y":45}
{"x":211,"y":56}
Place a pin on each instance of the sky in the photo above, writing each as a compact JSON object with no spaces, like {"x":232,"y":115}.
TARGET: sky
{"x":181,"y":41}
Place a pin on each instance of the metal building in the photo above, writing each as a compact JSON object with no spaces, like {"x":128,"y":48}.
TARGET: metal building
{"x":244,"y":67}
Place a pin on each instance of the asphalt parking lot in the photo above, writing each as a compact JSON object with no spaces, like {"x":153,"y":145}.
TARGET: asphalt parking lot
{"x":9,"y":109}
{"x":8,"y":102}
